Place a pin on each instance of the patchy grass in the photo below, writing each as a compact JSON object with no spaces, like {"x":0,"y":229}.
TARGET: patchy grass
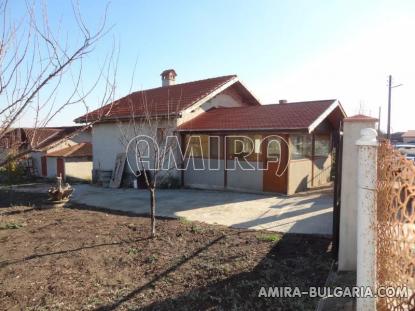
{"x":269,"y":237}
{"x":78,"y":259}
{"x":196,"y":229}
{"x":183,"y":220}
{"x":10,"y":225}
{"x":151,"y":258}
{"x":133,"y":251}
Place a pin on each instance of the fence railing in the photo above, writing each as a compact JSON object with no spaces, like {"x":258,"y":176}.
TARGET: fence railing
{"x":395,"y":249}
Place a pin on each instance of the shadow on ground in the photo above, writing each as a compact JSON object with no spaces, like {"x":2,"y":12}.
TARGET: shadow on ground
{"x":295,"y":261}
{"x":12,"y":198}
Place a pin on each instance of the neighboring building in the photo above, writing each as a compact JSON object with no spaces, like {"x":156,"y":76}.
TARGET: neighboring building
{"x":72,"y":162}
{"x":396,"y":137}
{"x":220,"y":107}
{"x":45,"y":141}
{"x":409,"y":137}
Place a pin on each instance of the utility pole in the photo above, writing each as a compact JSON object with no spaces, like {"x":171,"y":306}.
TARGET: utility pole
{"x":380,"y":112}
{"x":389,"y":107}
{"x":390,"y":87}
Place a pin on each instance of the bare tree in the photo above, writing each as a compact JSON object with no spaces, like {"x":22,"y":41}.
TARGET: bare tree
{"x":152,"y":148}
{"x":38,"y":60}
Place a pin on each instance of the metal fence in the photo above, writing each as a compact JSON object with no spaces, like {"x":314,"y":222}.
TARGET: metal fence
{"x":395,"y":227}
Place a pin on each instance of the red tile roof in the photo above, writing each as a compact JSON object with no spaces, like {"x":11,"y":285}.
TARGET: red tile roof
{"x":78,"y":150}
{"x":299,"y":115}
{"x":165,"y":100}
{"x":38,"y":138}
{"x":410,"y":133}
{"x":359,"y":117}
{"x":43,"y":137}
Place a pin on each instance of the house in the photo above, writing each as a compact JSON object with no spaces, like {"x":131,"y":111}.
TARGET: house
{"x":409,"y":136}
{"x":49,"y":148}
{"x":288,"y":144}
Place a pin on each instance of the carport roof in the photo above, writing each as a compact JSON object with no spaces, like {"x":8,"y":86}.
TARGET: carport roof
{"x":78,"y":150}
{"x":287,"y":116}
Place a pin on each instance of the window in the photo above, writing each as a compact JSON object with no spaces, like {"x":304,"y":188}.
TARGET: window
{"x":274,"y":149}
{"x":257,"y":144}
{"x":239,"y":146}
{"x":300,"y":146}
{"x":214,"y":148}
{"x":321,"y":146}
{"x":244,"y":146}
{"x":198,"y":145}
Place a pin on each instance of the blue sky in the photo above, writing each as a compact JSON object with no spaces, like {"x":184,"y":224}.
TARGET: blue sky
{"x":294,"y":50}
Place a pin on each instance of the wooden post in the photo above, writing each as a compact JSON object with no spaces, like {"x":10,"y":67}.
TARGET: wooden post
{"x":224,"y":152}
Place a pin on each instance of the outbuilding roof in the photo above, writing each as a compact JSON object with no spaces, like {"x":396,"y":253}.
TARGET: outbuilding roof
{"x":360,"y":117}
{"x":288,"y":116}
{"x":38,"y":138}
{"x":78,"y":150}
{"x":165,"y":100}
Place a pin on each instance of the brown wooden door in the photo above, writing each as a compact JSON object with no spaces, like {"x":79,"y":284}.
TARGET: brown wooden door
{"x":44,"y":165}
{"x":275,"y":164}
{"x":60,"y":167}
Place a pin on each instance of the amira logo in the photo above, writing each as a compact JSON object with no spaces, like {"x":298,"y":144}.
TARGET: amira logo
{"x":202,"y":152}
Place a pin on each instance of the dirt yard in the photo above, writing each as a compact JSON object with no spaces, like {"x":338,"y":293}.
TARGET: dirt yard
{"x":80,"y":259}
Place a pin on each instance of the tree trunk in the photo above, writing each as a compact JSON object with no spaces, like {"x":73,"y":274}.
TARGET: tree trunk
{"x":153,"y":211}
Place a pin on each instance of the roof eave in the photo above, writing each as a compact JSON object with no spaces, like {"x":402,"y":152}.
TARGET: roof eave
{"x":111,"y":119}
{"x":325,"y":114}
{"x":243,"y":129}
{"x":212,"y":94}
{"x":255,"y":98}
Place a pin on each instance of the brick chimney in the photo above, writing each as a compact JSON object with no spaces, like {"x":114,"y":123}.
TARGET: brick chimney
{"x":168,"y":77}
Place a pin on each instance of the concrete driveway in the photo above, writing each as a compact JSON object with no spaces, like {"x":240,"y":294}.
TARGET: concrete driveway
{"x":309,"y":213}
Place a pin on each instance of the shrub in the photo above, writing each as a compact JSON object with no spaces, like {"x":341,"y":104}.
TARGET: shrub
{"x":13,"y":172}
{"x":170,"y":182}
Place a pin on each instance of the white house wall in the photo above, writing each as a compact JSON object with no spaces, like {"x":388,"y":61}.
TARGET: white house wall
{"x":110,"y":139}
{"x":107,"y":143}
{"x":78,"y":168}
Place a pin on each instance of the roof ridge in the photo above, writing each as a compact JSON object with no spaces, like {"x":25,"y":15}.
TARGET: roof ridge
{"x":276,"y":104}
{"x":179,"y":84}
{"x":303,"y":102}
